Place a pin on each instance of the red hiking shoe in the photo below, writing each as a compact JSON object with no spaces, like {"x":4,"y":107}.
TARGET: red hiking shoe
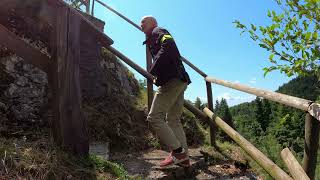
{"x":174,"y":158}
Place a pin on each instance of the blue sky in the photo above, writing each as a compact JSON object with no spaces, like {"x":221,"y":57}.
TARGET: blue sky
{"x":205,"y":35}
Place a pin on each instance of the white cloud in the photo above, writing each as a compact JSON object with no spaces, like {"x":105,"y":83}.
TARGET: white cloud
{"x":225,"y":96}
{"x":253,"y":81}
{"x":235,"y":99}
{"x":237,"y":81}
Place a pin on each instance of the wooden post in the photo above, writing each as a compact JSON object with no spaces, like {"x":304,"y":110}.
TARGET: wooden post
{"x":311,"y":144}
{"x":88,"y":6}
{"x":92,"y":8}
{"x":293,"y":165}
{"x":74,"y":135}
{"x":274,"y":170}
{"x":213,"y":127}
{"x":149,"y":82}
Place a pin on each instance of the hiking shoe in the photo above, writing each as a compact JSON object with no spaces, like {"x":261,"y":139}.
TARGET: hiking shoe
{"x":174,"y":158}
{"x":185,"y":163}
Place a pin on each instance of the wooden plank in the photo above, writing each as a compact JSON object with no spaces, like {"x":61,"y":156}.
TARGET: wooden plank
{"x":73,"y":127}
{"x":311,"y":144}
{"x":295,"y":102}
{"x":139,"y":28}
{"x":314,"y":110}
{"x":274,"y":170}
{"x":293,"y":165}
{"x":213,"y":127}
{"x":44,"y":13}
{"x":147,"y":75}
{"x":196,"y":112}
{"x":101,"y":37}
{"x":193,"y":67}
{"x":26,"y":51}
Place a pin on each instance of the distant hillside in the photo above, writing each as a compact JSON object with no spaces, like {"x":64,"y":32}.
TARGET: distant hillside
{"x":271,"y":126}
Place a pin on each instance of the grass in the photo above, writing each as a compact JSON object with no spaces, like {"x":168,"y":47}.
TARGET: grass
{"x":224,"y":151}
{"x":40,"y":160}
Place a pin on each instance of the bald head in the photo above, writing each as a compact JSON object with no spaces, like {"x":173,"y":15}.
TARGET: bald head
{"x":148,"y":23}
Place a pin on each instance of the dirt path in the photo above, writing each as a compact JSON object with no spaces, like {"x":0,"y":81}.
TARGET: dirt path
{"x":144,"y":164}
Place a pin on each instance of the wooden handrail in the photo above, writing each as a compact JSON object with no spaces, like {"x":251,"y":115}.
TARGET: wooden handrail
{"x":139,"y":28}
{"x":306,"y":105}
{"x":293,"y":165}
{"x":299,"y":103}
{"x":119,"y":14}
{"x":23,"y":49}
{"x":274,"y":170}
{"x":147,"y":75}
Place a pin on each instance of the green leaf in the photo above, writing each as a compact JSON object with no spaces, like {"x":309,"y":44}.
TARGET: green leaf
{"x":253,"y":27}
{"x":307,"y":37}
{"x":269,"y":14}
{"x":271,"y":58}
{"x":315,"y":35}
{"x":263,"y":46}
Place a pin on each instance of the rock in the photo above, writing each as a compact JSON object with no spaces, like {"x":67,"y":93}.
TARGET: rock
{"x":3,"y":107}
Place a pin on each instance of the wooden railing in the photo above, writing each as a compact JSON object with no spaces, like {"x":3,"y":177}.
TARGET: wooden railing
{"x":312,"y":124}
{"x":62,"y":69}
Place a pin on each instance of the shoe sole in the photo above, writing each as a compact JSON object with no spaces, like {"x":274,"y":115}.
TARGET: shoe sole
{"x":172,"y":165}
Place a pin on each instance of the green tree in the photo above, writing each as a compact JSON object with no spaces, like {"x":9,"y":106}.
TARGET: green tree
{"x":266,"y":113}
{"x":222,"y":110}
{"x":198,"y":103}
{"x":292,"y":38}
{"x":217,"y":106}
{"x":259,"y":113}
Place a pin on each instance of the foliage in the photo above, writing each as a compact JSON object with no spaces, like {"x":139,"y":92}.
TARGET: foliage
{"x":42,"y":160}
{"x":222,"y":110}
{"x":271,"y":126}
{"x":292,"y":38}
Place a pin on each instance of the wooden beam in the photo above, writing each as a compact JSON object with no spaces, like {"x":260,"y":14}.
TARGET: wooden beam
{"x":311,"y":144}
{"x":213,"y":126}
{"x":147,"y":75}
{"x":274,"y":170}
{"x":295,"y":102}
{"x":293,"y":165}
{"x":24,"y":50}
{"x":194,"y":67}
{"x":314,"y":110}
{"x":74,"y":134}
{"x":45,"y":13}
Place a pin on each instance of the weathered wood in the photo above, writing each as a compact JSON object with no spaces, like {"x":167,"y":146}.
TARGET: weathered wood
{"x":255,"y":153}
{"x":88,"y":6}
{"x":311,"y":144}
{"x":44,"y":12}
{"x":149,"y":82}
{"x":139,"y":28}
{"x":193,"y":67}
{"x":119,"y":14}
{"x":196,"y":112}
{"x":147,"y":75}
{"x":295,"y":102}
{"x":293,"y":165}
{"x":92,"y":8}
{"x":314,"y":110}
{"x":130,"y":63}
{"x":73,"y":127}
{"x":26,"y":51}
{"x":213,"y":127}
{"x":101,"y":37}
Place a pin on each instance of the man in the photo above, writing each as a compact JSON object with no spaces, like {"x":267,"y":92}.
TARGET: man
{"x":172,"y":80}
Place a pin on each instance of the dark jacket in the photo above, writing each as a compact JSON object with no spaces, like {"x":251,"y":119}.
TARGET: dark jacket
{"x":167,"y":62}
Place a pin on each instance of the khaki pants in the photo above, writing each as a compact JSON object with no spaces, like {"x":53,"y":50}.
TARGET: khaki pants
{"x":168,"y":105}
